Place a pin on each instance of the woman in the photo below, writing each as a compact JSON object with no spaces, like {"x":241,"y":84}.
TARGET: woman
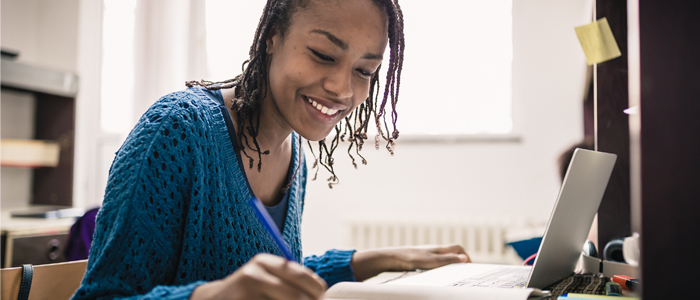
{"x":175,"y":221}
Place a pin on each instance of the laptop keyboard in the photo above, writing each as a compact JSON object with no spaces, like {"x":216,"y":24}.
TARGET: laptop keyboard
{"x":498,"y":278}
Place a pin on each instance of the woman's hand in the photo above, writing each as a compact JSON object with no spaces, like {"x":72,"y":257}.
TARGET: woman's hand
{"x":367,"y":264}
{"x":268,"y":277}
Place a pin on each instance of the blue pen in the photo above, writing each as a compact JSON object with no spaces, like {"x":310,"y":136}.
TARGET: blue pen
{"x":269,"y":224}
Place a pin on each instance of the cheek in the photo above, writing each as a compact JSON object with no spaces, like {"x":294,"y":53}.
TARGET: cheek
{"x":286,"y":77}
{"x":361,"y":92}
{"x":281,"y":87}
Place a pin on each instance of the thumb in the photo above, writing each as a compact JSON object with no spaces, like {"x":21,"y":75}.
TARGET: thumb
{"x":463,"y":258}
{"x":460,"y":258}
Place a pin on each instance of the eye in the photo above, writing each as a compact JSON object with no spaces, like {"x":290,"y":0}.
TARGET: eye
{"x":321,"y":56}
{"x":365,"y":73}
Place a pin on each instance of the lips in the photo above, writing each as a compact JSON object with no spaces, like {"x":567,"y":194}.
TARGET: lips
{"x":322,"y":108}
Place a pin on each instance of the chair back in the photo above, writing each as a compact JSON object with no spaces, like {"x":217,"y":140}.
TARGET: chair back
{"x":51,"y":281}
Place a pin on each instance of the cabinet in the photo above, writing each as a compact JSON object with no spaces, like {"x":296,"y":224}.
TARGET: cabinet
{"x":49,"y":114}
{"x":34,"y":241}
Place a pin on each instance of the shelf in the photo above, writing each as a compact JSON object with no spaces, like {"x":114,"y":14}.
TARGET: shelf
{"x":35,"y":79}
{"x":29,"y":153}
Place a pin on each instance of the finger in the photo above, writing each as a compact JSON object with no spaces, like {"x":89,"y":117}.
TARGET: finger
{"x":268,"y":286}
{"x":450,"y":258}
{"x":294,"y":275}
{"x":275,"y":288}
{"x":457,"y":249}
{"x":466,"y":259}
{"x":439,"y":260}
{"x":254,"y":281}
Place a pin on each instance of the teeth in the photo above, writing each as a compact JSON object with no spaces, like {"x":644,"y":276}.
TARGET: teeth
{"x":323,"y":109}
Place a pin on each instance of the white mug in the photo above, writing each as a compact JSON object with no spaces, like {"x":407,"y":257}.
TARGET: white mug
{"x":630,"y":249}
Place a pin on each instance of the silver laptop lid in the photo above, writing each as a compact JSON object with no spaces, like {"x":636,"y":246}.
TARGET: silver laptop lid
{"x":572,"y":216}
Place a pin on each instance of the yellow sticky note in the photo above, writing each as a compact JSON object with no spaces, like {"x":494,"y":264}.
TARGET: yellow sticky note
{"x":597,"y":41}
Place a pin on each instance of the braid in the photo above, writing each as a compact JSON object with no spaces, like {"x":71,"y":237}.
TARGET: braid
{"x":356,"y":124}
{"x":252,"y":82}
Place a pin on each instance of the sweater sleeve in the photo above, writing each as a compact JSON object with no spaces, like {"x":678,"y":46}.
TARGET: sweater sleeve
{"x":138,"y":232}
{"x":333,"y":266}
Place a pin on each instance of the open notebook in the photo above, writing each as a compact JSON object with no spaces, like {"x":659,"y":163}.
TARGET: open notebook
{"x":567,"y":229}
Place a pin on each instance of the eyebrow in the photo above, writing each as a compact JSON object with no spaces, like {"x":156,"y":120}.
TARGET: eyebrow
{"x":343,"y":45}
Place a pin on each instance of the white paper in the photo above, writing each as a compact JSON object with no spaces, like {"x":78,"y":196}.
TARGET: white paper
{"x":369,"y":291}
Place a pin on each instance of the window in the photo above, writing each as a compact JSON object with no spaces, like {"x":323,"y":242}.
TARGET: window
{"x":230,"y":31}
{"x":457,"y":67}
{"x":116,"y":102}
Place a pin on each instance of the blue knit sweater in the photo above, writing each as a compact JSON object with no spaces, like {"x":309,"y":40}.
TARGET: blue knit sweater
{"x":176,"y":213}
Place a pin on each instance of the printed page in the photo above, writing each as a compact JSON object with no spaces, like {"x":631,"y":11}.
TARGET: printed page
{"x":369,"y":291}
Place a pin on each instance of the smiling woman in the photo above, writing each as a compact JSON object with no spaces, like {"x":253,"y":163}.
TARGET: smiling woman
{"x":332,"y":67}
{"x":331,"y":60}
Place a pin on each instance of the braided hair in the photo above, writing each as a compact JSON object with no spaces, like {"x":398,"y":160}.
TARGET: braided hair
{"x":251,"y":88}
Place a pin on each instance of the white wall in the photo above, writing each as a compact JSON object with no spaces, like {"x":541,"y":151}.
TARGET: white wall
{"x":468,"y":180}
{"x":44,"y":31}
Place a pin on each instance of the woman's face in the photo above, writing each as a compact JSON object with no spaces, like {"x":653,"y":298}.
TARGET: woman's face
{"x":321,"y":69}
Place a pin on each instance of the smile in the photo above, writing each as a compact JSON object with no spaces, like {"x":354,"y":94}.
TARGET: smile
{"x":321,"y":108}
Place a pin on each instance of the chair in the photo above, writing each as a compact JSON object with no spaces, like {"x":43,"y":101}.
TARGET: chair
{"x":80,"y":237}
{"x":50,"y":281}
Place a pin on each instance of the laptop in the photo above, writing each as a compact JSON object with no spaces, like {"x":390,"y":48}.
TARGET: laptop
{"x":566,"y":232}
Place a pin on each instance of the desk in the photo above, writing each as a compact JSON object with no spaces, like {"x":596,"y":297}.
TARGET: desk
{"x":32,"y":240}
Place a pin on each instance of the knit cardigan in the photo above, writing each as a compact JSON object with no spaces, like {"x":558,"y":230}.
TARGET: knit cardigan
{"x":175,"y":213}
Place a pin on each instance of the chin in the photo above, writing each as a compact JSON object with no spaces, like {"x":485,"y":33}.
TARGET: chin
{"x":315,"y":136}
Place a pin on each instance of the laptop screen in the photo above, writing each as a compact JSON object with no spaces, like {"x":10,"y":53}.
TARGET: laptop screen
{"x":578,"y":201}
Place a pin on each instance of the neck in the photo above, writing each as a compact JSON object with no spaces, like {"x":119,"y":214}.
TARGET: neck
{"x":274,"y":133}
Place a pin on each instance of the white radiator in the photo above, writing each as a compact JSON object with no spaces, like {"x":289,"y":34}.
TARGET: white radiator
{"x":485,"y":242}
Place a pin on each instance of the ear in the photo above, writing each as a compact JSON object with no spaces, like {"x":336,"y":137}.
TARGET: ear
{"x":272,"y":40}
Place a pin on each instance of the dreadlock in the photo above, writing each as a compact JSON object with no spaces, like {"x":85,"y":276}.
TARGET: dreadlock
{"x":251,"y":88}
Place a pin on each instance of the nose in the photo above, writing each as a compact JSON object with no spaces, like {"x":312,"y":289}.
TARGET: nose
{"x":339,"y":84}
